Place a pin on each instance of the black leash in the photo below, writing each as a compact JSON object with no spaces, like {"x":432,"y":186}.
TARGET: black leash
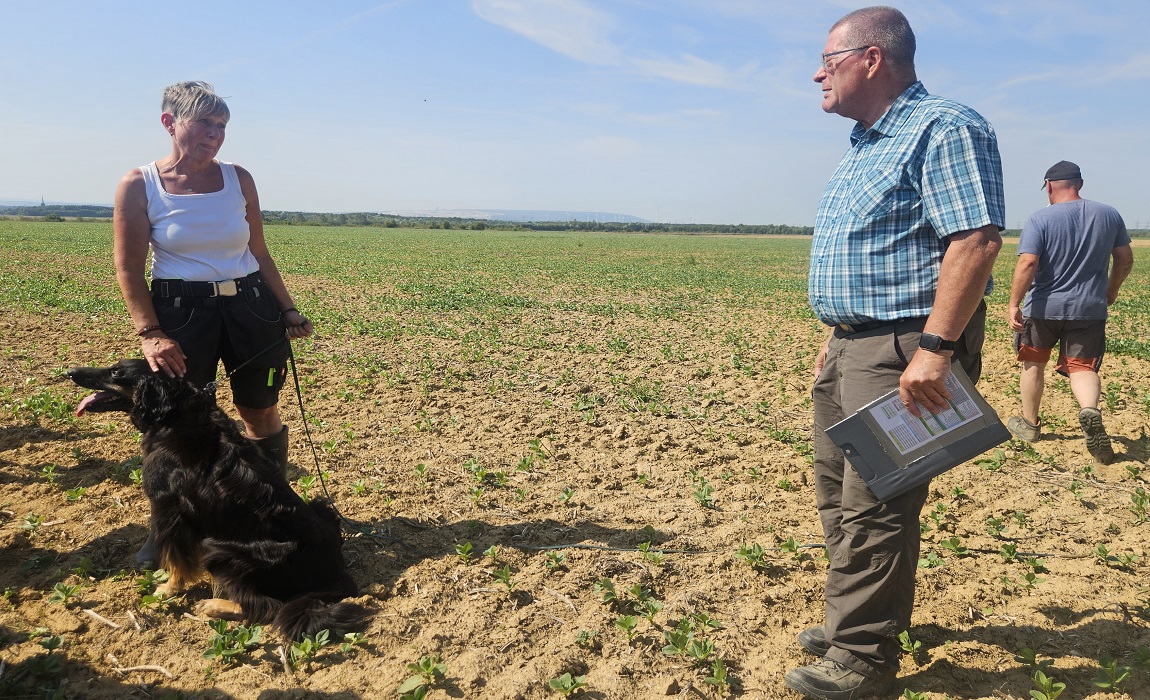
{"x":348,"y":524}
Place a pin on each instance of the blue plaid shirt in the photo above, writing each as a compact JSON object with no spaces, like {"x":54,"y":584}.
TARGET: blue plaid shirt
{"x":927,"y":169}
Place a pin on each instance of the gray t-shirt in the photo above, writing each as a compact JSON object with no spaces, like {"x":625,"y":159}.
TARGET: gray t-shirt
{"x":1073,"y":242}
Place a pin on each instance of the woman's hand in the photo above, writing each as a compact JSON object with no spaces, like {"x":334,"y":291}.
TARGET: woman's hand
{"x":164,"y":354}
{"x":297,"y":324}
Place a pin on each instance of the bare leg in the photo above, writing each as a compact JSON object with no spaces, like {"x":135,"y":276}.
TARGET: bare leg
{"x":261,"y":422}
{"x":1031,"y":384}
{"x":1086,"y":387}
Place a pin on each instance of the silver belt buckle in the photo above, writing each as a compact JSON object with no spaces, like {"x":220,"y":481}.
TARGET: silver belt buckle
{"x":226,"y":288}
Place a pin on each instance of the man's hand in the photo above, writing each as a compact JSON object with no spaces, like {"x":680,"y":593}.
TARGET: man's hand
{"x":821,"y":357}
{"x":1014,"y":319}
{"x":924,"y":382}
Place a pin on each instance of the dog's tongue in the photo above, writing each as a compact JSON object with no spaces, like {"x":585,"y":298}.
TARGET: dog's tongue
{"x":88,"y":401}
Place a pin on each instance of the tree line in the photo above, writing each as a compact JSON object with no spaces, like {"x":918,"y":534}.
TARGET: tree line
{"x":58,"y":212}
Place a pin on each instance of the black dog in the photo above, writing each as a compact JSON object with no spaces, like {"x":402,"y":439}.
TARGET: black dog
{"x":220,"y":506}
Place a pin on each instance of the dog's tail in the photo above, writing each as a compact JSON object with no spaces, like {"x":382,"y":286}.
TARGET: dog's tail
{"x":313,"y":612}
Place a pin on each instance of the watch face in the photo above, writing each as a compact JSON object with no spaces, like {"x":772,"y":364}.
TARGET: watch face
{"x":929,"y":341}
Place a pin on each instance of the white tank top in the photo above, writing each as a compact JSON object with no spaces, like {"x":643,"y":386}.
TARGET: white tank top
{"x":199,"y":237}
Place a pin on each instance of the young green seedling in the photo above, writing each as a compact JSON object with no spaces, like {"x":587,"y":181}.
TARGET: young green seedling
{"x":931,"y":561}
{"x":304,"y":651}
{"x":955,"y":545}
{"x":568,"y":685}
{"x":1141,"y":658}
{"x":1029,"y":657}
{"x":503,"y":575}
{"x":586,"y":639}
{"x":1110,"y":674}
{"x":606,"y":590}
{"x":1046,"y":687}
{"x":554,"y":560}
{"x":428,"y":671}
{"x":718,"y":679}
{"x":652,"y":555}
{"x":305,"y":483}
{"x":351,"y":641}
{"x":754,"y":555}
{"x":566,"y":495}
{"x":31,"y":523}
{"x":702,"y":623}
{"x":910,"y":647}
{"x":628,"y":623}
{"x":995,"y":527}
{"x":678,"y":640}
{"x":463,"y":551}
{"x":791,"y":546}
{"x":62,"y":593}
{"x":1141,"y":505}
{"x":701,"y":650}
{"x":703,"y":494}
{"x":1008,"y":551}
{"x":648,"y":608}
{"x":227,"y":644}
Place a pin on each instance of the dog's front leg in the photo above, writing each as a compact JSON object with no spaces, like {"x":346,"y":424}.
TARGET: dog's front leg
{"x":220,"y":609}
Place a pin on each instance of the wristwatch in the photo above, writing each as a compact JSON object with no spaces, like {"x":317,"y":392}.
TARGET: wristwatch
{"x":934,"y":343}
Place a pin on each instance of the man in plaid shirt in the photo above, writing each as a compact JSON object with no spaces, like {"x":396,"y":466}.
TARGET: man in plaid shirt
{"x":905,"y":238}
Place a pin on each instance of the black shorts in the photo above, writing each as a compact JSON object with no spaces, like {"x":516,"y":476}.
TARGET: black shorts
{"x":234,"y":330}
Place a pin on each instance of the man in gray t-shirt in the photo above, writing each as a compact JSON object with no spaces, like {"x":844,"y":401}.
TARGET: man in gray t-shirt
{"x":1064,"y":271}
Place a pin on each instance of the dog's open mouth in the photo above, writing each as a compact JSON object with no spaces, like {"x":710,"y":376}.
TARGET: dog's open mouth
{"x":102,"y":401}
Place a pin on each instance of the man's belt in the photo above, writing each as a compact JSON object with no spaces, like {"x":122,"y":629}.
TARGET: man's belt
{"x":172,"y":288}
{"x":851,"y":328}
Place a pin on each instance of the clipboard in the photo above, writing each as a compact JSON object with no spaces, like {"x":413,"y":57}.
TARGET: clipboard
{"x":893,"y":451}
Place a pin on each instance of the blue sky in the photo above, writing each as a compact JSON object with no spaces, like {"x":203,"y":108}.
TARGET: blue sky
{"x":671,"y":110}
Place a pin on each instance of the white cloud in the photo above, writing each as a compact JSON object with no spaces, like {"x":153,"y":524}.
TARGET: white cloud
{"x":568,"y":27}
{"x":580,"y":31}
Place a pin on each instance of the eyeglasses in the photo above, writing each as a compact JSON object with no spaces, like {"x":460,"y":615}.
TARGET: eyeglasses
{"x":825,"y":56}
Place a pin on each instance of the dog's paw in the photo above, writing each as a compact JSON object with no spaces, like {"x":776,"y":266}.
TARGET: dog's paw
{"x":220,"y":609}
{"x":169,"y":589}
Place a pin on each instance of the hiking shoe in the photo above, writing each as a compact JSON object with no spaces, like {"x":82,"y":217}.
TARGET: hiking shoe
{"x":1022,"y":428}
{"x":830,"y":680}
{"x":1097,"y":441}
{"x":814,"y":640}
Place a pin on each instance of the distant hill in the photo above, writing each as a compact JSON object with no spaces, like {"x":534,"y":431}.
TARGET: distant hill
{"x":519,"y":215}
{"x":93,"y":211}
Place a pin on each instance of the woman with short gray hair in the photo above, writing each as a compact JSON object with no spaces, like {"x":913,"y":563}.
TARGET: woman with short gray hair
{"x":215,"y":293}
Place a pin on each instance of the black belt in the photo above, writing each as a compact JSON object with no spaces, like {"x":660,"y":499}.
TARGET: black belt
{"x":851,"y":328}
{"x":175,"y":288}
{"x":182,"y":293}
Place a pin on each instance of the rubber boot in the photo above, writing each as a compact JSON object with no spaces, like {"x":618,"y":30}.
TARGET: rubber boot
{"x":275,"y":448}
{"x":147,"y":557}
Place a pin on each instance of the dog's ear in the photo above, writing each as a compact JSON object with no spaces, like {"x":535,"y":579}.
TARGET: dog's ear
{"x":153,"y":401}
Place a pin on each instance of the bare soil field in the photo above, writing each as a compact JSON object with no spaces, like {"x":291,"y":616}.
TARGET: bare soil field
{"x":586,"y":433}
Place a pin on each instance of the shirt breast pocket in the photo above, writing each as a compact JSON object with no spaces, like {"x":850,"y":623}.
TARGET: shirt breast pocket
{"x":882,"y":192}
